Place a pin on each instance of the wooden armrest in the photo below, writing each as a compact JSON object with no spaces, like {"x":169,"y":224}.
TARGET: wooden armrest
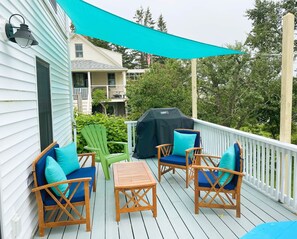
{"x":207,"y":155}
{"x":87,"y":155}
{"x":194,"y":148}
{"x":50,"y":185}
{"x":163,"y":145}
{"x":199,"y":167}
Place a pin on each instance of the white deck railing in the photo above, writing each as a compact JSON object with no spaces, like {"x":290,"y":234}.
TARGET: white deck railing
{"x":269,"y":165}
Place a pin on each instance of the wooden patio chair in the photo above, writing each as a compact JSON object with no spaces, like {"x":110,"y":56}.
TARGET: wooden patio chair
{"x":66,"y":209}
{"x":168,"y":160}
{"x":96,"y":138}
{"x":221,"y":185}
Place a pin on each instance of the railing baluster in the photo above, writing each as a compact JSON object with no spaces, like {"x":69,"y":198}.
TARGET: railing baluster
{"x":295,"y":182}
{"x":262,"y":159}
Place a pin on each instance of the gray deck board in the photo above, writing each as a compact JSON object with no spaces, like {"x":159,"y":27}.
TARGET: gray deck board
{"x":176,"y":217}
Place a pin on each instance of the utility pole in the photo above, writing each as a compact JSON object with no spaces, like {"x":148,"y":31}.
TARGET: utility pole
{"x":194,"y":88}
{"x":286,"y":90}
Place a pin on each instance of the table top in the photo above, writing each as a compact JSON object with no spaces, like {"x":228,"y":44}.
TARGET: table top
{"x":132,"y":175}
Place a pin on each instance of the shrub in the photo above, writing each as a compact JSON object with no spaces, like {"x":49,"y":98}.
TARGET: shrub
{"x":115,"y":126}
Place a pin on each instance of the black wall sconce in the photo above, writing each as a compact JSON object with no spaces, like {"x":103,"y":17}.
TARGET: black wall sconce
{"x":23,"y":36}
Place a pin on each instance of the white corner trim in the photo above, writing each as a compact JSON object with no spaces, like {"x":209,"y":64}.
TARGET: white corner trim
{"x":3,"y":22}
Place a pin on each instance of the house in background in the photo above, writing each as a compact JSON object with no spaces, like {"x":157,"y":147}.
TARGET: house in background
{"x":35,"y":106}
{"x":97,"y":68}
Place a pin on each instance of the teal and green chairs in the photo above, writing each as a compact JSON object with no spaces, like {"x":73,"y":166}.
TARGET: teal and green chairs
{"x":220,"y":178}
{"x":96,"y":138}
{"x":179,"y":155}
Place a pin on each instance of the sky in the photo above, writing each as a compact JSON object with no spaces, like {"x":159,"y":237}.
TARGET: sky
{"x":217,"y":22}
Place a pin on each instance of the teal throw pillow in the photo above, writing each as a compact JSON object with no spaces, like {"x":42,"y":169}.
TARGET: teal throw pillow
{"x":181,"y":142}
{"x":67,"y":158}
{"x":53,"y":174}
{"x":227,"y":162}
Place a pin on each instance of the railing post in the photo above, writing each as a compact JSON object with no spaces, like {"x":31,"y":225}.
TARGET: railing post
{"x":286,"y":90}
{"x":129,"y":132}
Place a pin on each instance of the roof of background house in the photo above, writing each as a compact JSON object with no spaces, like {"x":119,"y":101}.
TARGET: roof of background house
{"x":93,"y":65}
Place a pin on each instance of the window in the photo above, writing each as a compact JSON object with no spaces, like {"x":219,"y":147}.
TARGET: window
{"x":44,"y":103}
{"x":80,"y":80}
{"x":54,"y":4}
{"x":111,"y":79}
{"x":79,"y":50}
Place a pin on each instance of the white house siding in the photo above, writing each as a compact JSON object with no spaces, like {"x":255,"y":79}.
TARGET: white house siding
{"x":100,"y":78}
{"x":19,"y":123}
{"x":91,"y":52}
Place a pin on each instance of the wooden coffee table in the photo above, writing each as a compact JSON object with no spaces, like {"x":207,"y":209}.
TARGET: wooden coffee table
{"x":134,"y":180}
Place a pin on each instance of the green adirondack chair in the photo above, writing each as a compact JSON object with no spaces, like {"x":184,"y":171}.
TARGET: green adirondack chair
{"x":96,"y":138}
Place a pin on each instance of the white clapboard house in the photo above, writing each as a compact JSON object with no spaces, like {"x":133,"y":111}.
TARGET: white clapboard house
{"x":35,"y":106}
{"x":97,"y":68}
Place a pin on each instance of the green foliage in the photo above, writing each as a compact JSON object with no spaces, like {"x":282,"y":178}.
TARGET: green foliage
{"x":144,"y":17}
{"x":100,"y":43}
{"x":116,"y":129}
{"x":98,"y":96}
{"x":167,"y":85}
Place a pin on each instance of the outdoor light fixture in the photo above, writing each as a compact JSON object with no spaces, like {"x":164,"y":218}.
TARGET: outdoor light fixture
{"x":23,"y":36}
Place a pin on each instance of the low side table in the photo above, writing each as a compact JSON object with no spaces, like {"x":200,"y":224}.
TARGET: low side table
{"x":134,"y":180}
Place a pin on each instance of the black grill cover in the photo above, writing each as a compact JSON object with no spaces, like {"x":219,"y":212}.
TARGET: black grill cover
{"x":156,"y":127}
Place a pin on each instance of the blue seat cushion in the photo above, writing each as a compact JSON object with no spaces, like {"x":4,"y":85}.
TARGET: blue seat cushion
{"x":203,"y":182}
{"x":175,"y":159}
{"x":79,"y":196}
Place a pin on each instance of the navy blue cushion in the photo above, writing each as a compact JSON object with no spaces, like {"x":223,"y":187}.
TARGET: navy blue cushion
{"x":237,"y":163}
{"x":79,"y":196}
{"x":175,"y":159}
{"x":40,"y":169}
{"x":203,"y":182}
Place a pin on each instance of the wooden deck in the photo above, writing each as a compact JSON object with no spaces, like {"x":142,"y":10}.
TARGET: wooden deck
{"x":176,"y":218}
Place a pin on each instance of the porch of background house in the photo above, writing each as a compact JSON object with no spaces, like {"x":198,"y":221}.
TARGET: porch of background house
{"x":267,"y":195}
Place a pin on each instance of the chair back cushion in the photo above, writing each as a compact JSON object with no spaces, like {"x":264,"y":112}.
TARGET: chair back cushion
{"x":67,"y":158}
{"x":54,"y":173}
{"x":182,"y":142}
{"x":40,"y":168}
{"x":96,"y":137}
{"x":227,"y":162}
{"x":191,"y":131}
{"x":237,"y":163}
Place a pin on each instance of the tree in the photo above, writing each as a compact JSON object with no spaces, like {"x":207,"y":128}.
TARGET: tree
{"x":265,"y":41}
{"x":100,"y":43}
{"x":167,"y":85}
{"x":99,"y":98}
{"x":144,"y":17}
{"x":227,"y":95}
{"x":161,"y":24}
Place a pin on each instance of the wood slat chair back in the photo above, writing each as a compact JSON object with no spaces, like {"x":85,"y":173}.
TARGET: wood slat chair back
{"x":96,"y":138}
{"x":168,"y":162}
{"x":218,"y":193}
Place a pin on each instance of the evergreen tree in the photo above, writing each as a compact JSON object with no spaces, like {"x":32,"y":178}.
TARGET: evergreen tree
{"x":100,"y":43}
{"x":161,"y":24}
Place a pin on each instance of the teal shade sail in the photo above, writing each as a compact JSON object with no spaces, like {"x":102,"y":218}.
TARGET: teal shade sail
{"x":97,"y":23}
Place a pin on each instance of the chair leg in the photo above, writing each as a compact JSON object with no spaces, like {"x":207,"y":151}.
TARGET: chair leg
{"x":187,"y":178}
{"x":197,"y":193}
{"x":105,"y":170}
{"x":238,"y":205}
{"x":41,"y":231}
{"x":159,"y":172}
